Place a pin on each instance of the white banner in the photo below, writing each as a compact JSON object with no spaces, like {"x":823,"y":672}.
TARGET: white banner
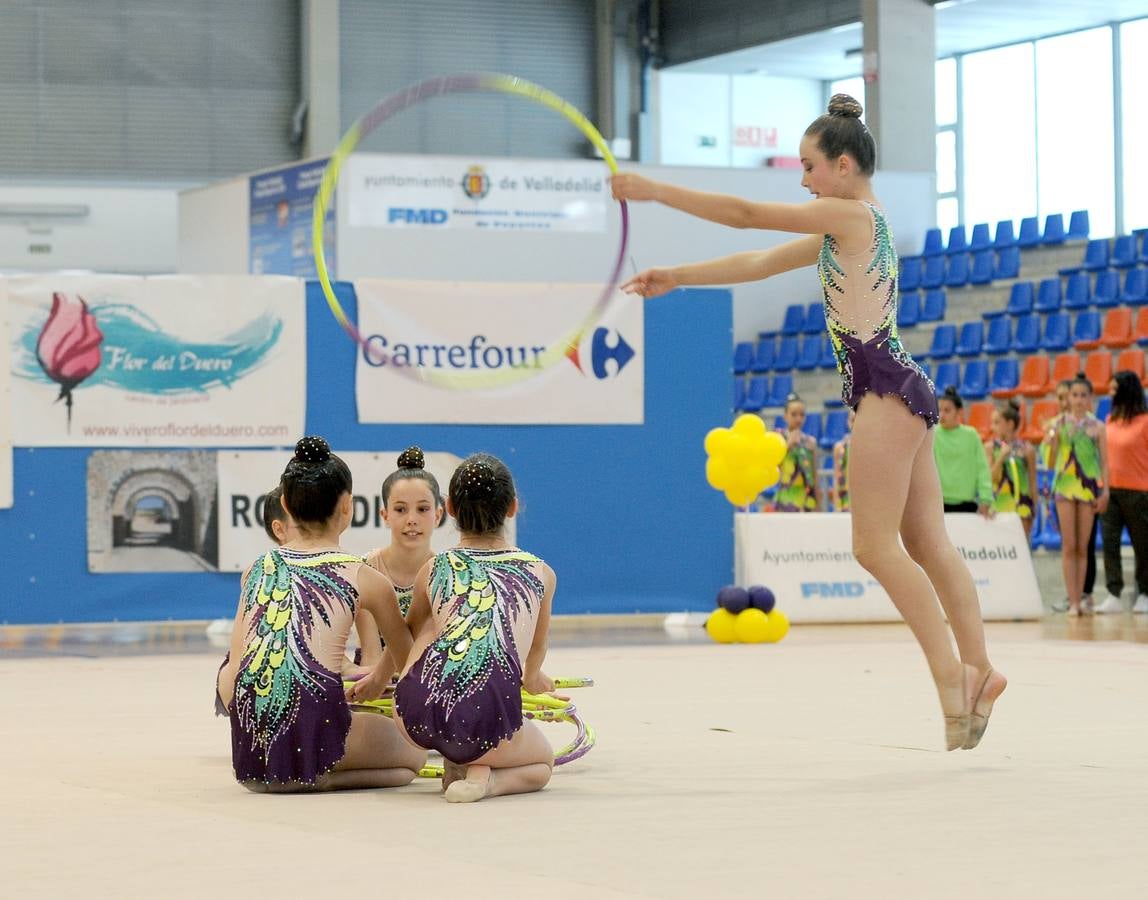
{"x":173,"y":361}
{"x":478,"y":329}
{"x":245,"y":476}
{"x":806,"y":559}
{"x":5,"y":405}
{"x":461,"y":192}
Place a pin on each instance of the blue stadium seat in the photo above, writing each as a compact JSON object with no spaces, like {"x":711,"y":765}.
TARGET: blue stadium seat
{"x":809,"y":356}
{"x":1048,"y":297}
{"x":1053,"y":229}
{"x":763,"y":358}
{"x":1124,"y":252}
{"x":755,"y":394}
{"x":1026,"y":338}
{"x":944,"y":342}
{"x":781,"y":388}
{"x":958,"y":242}
{"x":814,"y":318}
{"x":975,"y":380}
{"x":972,"y":338}
{"x":786,"y":356}
{"x":1008,"y":264}
{"x":999,"y":336}
{"x":834,"y":402}
{"x":738,"y":393}
{"x":1135,"y":290}
{"x":1086,"y":328}
{"x":957,"y":274}
{"x":1056,"y":336}
{"x":933,"y":246}
{"x":981,"y":239}
{"x":1106,"y":290}
{"x":982,"y":272}
{"x":1096,"y":255}
{"x":1078,"y":294}
{"x":812,"y":426}
{"x":1103,"y":408}
{"x":1078,"y":226}
{"x":1006,"y":375}
{"x":948,"y":375}
{"x":1005,"y":238}
{"x":1029,"y":232}
{"x":908,"y":309}
{"x":836,"y":424}
{"x":934,"y":307}
{"x":909,"y":274}
{"x":1020,"y":299}
{"x":742,"y":357}
{"x":794,"y":319}
{"x":828,"y":355}
{"x":1142,"y":255}
{"x":934,"y":275}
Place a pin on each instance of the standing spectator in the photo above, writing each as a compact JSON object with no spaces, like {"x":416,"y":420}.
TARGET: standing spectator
{"x":966,"y":485}
{"x":798,"y":490}
{"x":1127,"y":435}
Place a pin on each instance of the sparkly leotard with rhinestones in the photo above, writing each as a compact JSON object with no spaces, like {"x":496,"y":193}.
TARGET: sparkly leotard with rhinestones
{"x":796,"y":491}
{"x":289,"y":716}
{"x":1012,"y":492}
{"x":860,"y":292}
{"x":1077,"y":466}
{"x":462,"y":695}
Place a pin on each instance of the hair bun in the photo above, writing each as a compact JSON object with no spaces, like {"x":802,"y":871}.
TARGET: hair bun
{"x":312,"y":449}
{"x":845,"y":106}
{"x":412,"y":458}
{"x":1012,"y":404}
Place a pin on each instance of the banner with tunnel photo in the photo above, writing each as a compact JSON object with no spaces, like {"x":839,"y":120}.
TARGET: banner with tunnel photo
{"x":806,"y":559}
{"x":484,"y":353}
{"x":5,"y":406}
{"x":172,"y":361}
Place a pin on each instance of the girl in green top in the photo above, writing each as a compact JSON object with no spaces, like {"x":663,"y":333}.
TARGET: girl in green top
{"x":1012,"y":462}
{"x":965,"y":482}
{"x":797,"y":490}
{"x":1080,"y":467}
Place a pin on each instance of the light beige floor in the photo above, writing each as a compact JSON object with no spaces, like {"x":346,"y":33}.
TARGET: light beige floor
{"x":807,"y":769}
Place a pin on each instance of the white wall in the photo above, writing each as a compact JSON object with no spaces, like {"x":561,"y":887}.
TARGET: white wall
{"x":129,"y":230}
{"x":751,"y":117}
{"x":214,"y":235}
{"x":211,"y":222}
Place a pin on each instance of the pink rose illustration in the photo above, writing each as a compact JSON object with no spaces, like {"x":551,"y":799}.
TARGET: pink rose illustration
{"x":68,"y":348}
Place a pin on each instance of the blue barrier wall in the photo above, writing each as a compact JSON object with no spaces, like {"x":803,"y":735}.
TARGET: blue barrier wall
{"x":622,"y":512}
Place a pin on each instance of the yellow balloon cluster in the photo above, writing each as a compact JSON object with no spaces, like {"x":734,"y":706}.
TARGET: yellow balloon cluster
{"x":750,"y":626}
{"x":743,"y":460}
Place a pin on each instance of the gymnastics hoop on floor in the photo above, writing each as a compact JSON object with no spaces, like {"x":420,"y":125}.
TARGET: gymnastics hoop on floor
{"x":415,"y":94}
{"x":536,"y":707}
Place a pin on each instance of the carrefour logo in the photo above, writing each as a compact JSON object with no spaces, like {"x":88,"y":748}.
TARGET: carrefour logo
{"x":484,"y":353}
{"x":405,"y":215}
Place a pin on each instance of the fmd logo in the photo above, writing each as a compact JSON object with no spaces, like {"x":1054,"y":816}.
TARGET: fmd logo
{"x":409,"y":216}
{"x":831,"y":589}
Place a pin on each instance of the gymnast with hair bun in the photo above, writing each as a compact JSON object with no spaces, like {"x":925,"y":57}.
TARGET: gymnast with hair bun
{"x":894,"y":493}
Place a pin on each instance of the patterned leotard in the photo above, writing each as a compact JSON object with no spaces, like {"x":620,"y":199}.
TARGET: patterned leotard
{"x":843,"y":485}
{"x":1012,"y":491}
{"x":1078,"y":458}
{"x":462,"y":696}
{"x":796,"y":489}
{"x":289,"y":717}
{"x":860,"y":293}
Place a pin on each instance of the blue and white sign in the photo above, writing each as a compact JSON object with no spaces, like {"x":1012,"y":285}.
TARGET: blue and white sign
{"x":281,"y":203}
{"x":438,"y":192}
{"x":414,"y":330}
{"x":806,"y":559}
{"x":5,"y":406}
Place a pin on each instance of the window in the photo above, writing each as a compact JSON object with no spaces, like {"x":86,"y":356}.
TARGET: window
{"x":946,"y":162}
{"x":1134,"y":90}
{"x":999,"y":134}
{"x":946,"y":75}
{"x":1074,"y":126}
{"x":948,"y":214}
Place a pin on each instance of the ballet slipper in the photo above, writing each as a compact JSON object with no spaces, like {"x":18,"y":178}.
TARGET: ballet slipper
{"x":986,"y":697}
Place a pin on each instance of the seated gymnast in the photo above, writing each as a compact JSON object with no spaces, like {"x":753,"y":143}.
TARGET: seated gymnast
{"x":291,"y":728}
{"x":481,"y":616}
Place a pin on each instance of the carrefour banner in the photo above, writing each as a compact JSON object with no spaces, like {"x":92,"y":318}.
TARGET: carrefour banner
{"x":434,"y":192}
{"x":5,"y":406}
{"x":246,"y":476}
{"x":161,"y":362}
{"x":424,"y":340}
{"x":807,"y":560}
